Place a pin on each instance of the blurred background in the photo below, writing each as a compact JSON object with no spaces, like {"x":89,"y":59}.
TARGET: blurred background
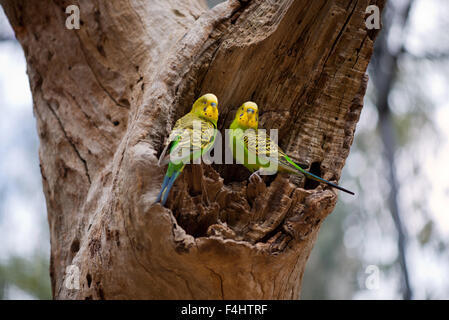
{"x":24,"y":235}
{"x":388,"y":242}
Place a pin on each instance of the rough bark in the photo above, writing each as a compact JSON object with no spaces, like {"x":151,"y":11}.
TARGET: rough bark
{"x":105,"y":98}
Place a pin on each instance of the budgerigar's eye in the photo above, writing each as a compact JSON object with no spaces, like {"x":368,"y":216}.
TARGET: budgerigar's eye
{"x":204,"y":101}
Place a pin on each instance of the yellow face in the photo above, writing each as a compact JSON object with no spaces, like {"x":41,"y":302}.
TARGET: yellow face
{"x":207,"y":107}
{"x":248,"y":115}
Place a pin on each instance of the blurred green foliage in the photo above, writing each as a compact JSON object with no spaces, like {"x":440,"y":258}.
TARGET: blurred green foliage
{"x":30,"y":275}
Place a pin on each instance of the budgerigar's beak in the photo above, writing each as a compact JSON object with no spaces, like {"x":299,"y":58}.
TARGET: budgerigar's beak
{"x":251,"y":118}
{"x":215,"y":113}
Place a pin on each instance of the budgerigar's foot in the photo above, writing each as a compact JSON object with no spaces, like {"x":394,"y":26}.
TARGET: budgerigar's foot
{"x":255,"y":178}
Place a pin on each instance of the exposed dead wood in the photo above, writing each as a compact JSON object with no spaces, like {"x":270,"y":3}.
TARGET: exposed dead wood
{"x":106,"y":96}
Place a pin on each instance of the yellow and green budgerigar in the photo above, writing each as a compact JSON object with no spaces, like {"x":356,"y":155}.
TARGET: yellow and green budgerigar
{"x":192,"y":136}
{"x":257,"y":152}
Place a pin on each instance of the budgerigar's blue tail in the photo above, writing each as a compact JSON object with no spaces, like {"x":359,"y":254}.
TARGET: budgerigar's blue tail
{"x":316,"y":178}
{"x":164,"y":184}
{"x":167,"y":184}
{"x":171,"y":181}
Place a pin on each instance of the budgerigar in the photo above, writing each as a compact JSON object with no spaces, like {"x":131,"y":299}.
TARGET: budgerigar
{"x":258,"y":153}
{"x":192,"y":135}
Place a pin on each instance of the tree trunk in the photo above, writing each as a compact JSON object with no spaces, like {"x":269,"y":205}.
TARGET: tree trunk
{"x":106,"y":97}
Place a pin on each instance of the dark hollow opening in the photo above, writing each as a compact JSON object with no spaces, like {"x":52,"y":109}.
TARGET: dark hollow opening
{"x":315,"y":168}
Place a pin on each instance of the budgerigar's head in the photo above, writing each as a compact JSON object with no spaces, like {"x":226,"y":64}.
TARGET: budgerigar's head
{"x":247,"y":115}
{"x":207,"y":107}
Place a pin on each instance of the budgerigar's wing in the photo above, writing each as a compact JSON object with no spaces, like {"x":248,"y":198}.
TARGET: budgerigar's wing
{"x":265,"y":149}
{"x":195,"y":140}
{"x":181,"y":124}
{"x":189,"y":139}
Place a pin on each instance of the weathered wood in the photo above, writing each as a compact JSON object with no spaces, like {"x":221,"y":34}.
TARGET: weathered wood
{"x":105,"y":98}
